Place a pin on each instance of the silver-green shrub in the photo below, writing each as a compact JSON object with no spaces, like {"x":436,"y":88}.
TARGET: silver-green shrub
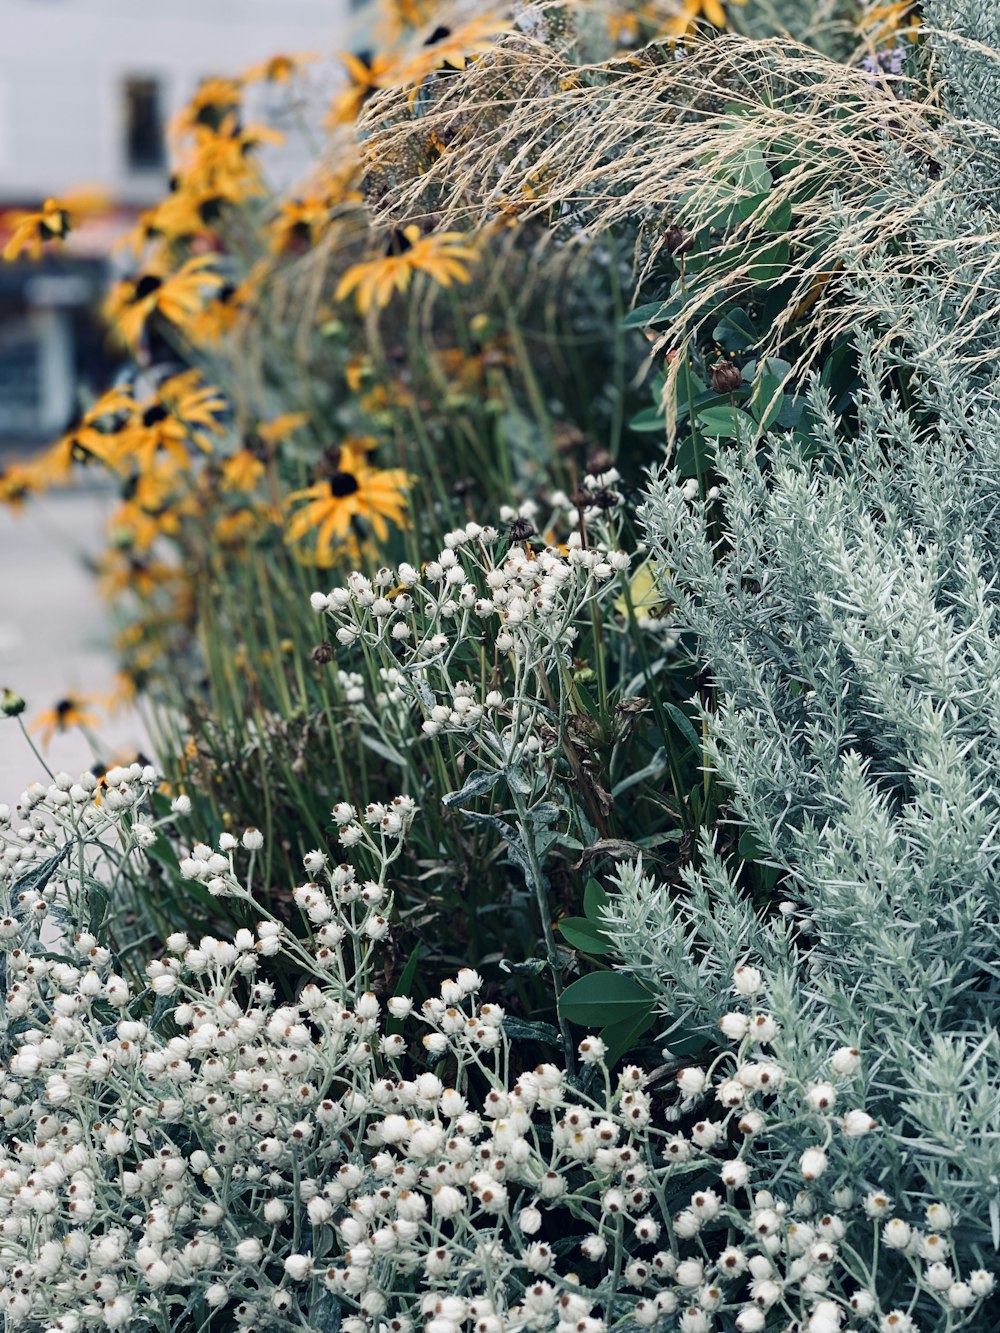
{"x":849,"y":615}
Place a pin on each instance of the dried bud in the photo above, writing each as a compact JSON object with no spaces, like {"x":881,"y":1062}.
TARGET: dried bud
{"x":725,"y":377}
{"x":598,"y":461}
{"x":678,"y":240}
{"x":322,"y":653}
{"x":11,"y":704}
{"x":521,"y":529}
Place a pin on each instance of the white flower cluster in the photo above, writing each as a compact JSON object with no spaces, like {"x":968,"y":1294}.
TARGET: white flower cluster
{"x":470,"y":639}
{"x":107,"y":819}
{"x":270,"y":1157}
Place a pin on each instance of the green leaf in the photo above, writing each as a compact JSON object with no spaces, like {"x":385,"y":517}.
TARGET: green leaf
{"x":593,"y":1000}
{"x":723,"y":422}
{"x":395,"y":1025}
{"x":751,"y":172}
{"x":748,"y":846}
{"x":649,"y":419}
{"x":325,"y":1314}
{"x":478,"y":783}
{"x":655,"y":312}
{"x":587,"y":936}
{"x":523,"y":1029}
{"x":735,"y":332}
{"x":621,"y":1037}
{"x":767,"y":400}
{"x":694,"y":456}
{"x":38,"y":876}
{"x":594,"y":899}
{"x":769,"y":264}
{"x":776,"y":220}
{"x":684,"y":724}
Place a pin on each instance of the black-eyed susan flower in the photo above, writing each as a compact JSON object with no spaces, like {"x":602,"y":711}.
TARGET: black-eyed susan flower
{"x":63,"y":716}
{"x":214,"y":100}
{"x":223,"y":162}
{"x":87,"y":438}
{"x":364,"y":77}
{"x":176,"y":296}
{"x":183,"y":411}
{"x":32,"y":230}
{"x":444,"y":257}
{"x":898,"y":18}
{"x":351,"y":489}
{"x":243,"y":470}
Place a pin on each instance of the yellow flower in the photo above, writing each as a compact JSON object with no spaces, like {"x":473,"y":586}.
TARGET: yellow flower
{"x":443,"y":257}
{"x":53,"y":222}
{"x":451,"y":48}
{"x":364,"y":77}
{"x":882,"y":21}
{"x":692,"y":11}
{"x":281,"y":427}
{"x":242,"y":471}
{"x":645,"y":595}
{"x":17,"y":482}
{"x":87,"y":439}
{"x":67,"y":713}
{"x":221,"y":161}
{"x":177,"y":296}
{"x":182,"y":410}
{"x":212,"y":103}
{"x":352,"y":489}
{"x":279,"y":69}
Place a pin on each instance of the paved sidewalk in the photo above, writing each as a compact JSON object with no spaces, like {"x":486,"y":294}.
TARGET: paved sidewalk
{"x":54,"y":632}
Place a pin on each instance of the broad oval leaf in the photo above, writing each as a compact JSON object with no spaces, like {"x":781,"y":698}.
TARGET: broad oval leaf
{"x":601,"y":998}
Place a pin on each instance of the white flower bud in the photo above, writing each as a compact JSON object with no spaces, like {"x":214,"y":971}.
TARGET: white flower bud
{"x":747,"y":981}
{"x":812,"y":1163}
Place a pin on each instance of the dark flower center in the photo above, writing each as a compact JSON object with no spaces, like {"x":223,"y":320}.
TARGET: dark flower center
{"x":147,"y":285}
{"x":343,"y":484}
{"x":63,"y":707}
{"x":154,"y":415}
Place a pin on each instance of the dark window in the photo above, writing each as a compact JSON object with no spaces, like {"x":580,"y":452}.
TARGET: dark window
{"x":144,"y":147}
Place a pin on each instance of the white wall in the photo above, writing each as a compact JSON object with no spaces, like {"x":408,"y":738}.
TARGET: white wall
{"x":63,"y":62}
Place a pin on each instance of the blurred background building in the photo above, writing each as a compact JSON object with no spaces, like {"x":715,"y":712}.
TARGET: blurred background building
{"x":87,"y":90}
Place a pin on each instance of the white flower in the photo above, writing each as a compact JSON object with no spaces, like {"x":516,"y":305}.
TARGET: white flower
{"x":750,"y":1319}
{"x":862,"y":1303}
{"x":960,"y":1295}
{"x":734,"y":1026}
{"x":821,"y":1096}
{"x":896,"y":1321}
{"x":825,"y":1318}
{"x":693,"y":1320}
{"x":939,"y":1217}
{"x":592,"y":1050}
{"x":981,"y":1283}
{"x":857,"y":1123}
{"x":896,"y":1234}
{"x":253,"y":839}
{"x":298,"y":1266}
{"x":845,"y":1061}
{"x":734,"y":1174}
{"x":812,"y":1163}
{"x":747,"y":981}
{"x":692,"y":1081}
{"x":249,"y":1251}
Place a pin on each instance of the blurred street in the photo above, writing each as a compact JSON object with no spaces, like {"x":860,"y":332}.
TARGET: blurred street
{"x":54,"y":633}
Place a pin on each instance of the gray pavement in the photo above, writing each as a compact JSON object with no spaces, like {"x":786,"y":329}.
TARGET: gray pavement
{"x":54,"y":632}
